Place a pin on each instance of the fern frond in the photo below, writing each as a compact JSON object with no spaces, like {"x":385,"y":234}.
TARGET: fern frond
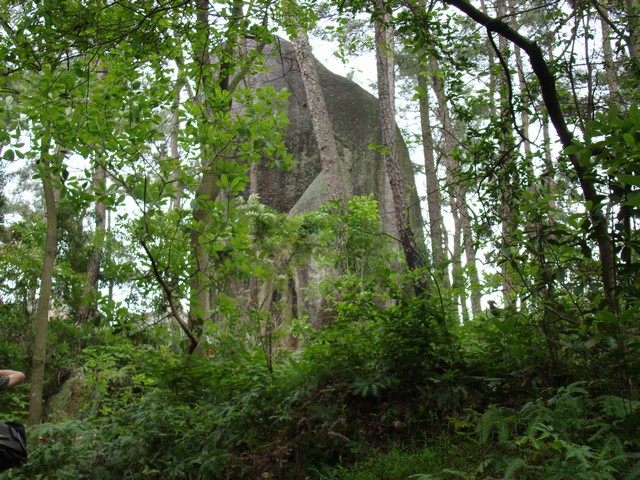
{"x":633,"y":474}
{"x":613,"y":447}
{"x":496,"y":418}
{"x":514,"y":465}
{"x":616,"y":406}
{"x":457,"y":473}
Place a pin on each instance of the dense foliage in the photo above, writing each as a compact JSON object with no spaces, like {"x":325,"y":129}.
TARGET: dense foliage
{"x":159,"y":309}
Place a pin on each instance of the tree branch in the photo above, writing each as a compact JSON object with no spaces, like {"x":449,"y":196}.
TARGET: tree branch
{"x":583,"y":171}
{"x":167,"y":291}
{"x":507,"y":74}
{"x":163,"y":284}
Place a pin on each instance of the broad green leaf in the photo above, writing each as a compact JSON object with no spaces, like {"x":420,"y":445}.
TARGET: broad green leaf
{"x":574,"y":149}
{"x":633,"y":201}
{"x":629,"y":140}
{"x":9,"y":155}
{"x":629,"y":179}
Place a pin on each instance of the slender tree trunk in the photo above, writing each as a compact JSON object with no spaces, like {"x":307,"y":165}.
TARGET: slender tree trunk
{"x":589,"y":83}
{"x":208,"y":190}
{"x":199,"y":308}
{"x":386,"y":93}
{"x":437,"y":231}
{"x":459,"y":198}
{"x":507,"y":172}
{"x":493,"y":110}
{"x":87,"y":305}
{"x":492,"y":75}
{"x":322,"y":127}
{"x":46,"y":283}
{"x":456,"y":263}
{"x":548,"y":161}
{"x":629,"y":31}
{"x":550,"y":167}
{"x":472,"y":266}
{"x":633,"y":26}
{"x":522,"y":84}
{"x":175,"y":152}
{"x":609,"y":65}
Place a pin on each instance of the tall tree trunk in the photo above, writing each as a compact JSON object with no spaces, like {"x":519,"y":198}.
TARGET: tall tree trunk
{"x":522,"y":84}
{"x":633,"y":26}
{"x":548,"y":161}
{"x":208,"y":190}
{"x":87,"y":305}
{"x":386,"y":100}
{"x":507,"y":171}
{"x":550,"y":167}
{"x":47,"y":173}
{"x":588,"y":83}
{"x":629,"y":32}
{"x":199,"y":307}
{"x":459,"y":197}
{"x":609,"y":65}
{"x":458,"y":285}
{"x":322,"y":127}
{"x":437,"y":231}
{"x":492,"y":75}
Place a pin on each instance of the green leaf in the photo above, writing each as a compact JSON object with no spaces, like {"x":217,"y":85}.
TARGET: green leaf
{"x":8,"y":155}
{"x":68,"y":79}
{"x":574,"y":149}
{"x":629,"y":140}
{"x":633,"y":201}
{"x":607,"y":317}
{"x":629,"y":179}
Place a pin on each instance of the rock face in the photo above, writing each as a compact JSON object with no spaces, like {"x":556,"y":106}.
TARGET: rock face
{"x":355,"y":117}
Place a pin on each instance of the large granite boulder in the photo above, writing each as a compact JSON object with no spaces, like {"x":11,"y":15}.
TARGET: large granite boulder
{"x":355,"y":116}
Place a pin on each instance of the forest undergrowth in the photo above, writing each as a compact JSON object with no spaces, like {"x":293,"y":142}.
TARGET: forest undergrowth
{"x":391,"y":388}
{"x":380,"y":393}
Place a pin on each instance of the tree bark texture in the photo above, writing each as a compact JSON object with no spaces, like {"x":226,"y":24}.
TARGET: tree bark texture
{"x":41,"y":326}
{"x":609,"y":65}
{"x":459,"y":290}
{"x":386,"y":92}
{"x":458,"y":196}
{"x":437,"y":231}
{"x":322,"y":127}
{"x":87,"y":302}
{"x":87,"y":305}
{"x":507,"y":149}
{"x":522,"y":84}
{"x":208,"y":190}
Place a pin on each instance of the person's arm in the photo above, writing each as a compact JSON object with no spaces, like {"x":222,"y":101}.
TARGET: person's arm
{"x":14,"y":377}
